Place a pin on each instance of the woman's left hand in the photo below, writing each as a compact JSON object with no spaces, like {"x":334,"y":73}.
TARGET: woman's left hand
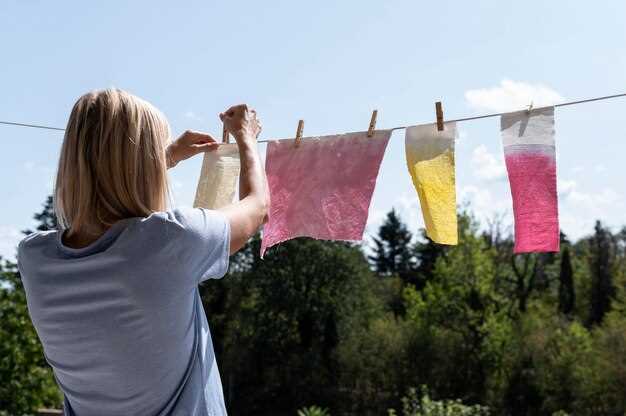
{"x":188,"y":144}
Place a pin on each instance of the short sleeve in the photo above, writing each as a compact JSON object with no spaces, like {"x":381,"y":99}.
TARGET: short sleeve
{"x":207,"y":241}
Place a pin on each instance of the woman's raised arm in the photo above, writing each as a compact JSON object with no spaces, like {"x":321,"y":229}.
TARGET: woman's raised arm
{"x":246,"y":215}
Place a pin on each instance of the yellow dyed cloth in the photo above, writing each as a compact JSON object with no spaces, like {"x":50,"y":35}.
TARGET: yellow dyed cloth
{"x":430,"y":159}
{"x":218,"y":177}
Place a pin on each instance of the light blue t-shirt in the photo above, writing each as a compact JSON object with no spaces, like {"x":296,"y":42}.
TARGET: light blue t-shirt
{"x":121,"y":321}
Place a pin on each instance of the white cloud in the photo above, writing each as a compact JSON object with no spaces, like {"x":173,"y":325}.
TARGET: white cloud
{"x":43,"y":172}
{"x":406,"y":205}
{"x":578,"y":208}
{"x":512,"y":96}
{"x":605,"y":198}
{"x":486,"y":166}
{"x":461,"y":139}
{"x":565,"y":187}
{"x":9,"y":238}
{"x":486,"y":205}
{"x":570,"y":192}
{"x":600,"y":168}
{"x":375,"y":218}
{"x":483,"y":201}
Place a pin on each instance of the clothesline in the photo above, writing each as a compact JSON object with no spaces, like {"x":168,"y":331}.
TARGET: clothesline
{"x":606,"y":97}
{"x":336,"y":208}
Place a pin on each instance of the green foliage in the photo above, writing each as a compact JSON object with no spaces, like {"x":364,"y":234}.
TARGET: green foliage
{"x":567,"y":293}
{"x":313,"y":411}
{"x":463,"y":315}
{"x":533,"y":334}
{"x":46,"y":218}
{"x":427,"y":252}
{"x":601,"y":263}
{"x":423,"y":405}
{"x":373,"y":364}
{"x":26,"y":381}
{"x":279,"y":322}
{"x":392,"y":248}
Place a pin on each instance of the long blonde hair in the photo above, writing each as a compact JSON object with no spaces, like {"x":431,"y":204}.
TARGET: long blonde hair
{"x":112,"y":164}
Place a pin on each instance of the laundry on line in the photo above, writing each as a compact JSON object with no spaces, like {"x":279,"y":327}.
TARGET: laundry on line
{"x":321,"y":187}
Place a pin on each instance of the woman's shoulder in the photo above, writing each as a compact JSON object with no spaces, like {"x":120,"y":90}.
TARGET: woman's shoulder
{"x":193,"y":224}
{"x":37,"y":238}
{"x":184,"y":219}
{"x":177,"y":217}
{"x":34,"y":244}
{"x":183,"y":216}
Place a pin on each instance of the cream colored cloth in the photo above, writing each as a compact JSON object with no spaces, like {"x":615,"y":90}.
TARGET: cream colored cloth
{"x":218,"y":177}
{"x":430,"y":159}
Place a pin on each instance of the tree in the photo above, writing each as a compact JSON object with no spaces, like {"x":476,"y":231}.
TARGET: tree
{"x":601,"y":263}
{"x":392,"y":251}
{"x":567,"y":296}
{"x":427,"y":252}
{"x":311,"y":324}
{"x":529,"y":276}
{"x":26,"y":381}
{"x":46,"y":217}
{"x":278,"y":323}
{"x":463,"y":314}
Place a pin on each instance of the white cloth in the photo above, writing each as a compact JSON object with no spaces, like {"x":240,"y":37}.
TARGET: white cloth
{"x":522,"y":128}
{"x":218,"y":177}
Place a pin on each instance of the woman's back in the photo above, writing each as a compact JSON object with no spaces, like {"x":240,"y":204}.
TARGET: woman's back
{"x":121,"y":320}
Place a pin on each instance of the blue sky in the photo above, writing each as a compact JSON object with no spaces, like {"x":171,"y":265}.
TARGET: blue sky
{"x":329,"y":63}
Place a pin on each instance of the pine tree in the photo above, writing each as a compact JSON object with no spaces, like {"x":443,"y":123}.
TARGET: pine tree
{"x":426,"y":254}
{"x":601,"y":264}
{"x":567,"y":296}
{"x":392,"y":251}
{"x":47,"y":218}
{"x":26,"y":379}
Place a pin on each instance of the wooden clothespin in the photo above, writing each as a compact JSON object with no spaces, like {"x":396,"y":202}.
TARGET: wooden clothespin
{"x":439,"y":112}
{"x":299,"y":132}
{"x":370,"y":130}
{"x":225,"y":136}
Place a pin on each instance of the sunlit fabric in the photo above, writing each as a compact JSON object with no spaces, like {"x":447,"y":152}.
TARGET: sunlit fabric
{"x":322,"y":188}
{"x":218,"y":177}
{"x":430,"y":160}
{"x":529,"y":152}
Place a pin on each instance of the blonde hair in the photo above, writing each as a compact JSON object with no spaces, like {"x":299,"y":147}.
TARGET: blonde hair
{"x":112,"y":164}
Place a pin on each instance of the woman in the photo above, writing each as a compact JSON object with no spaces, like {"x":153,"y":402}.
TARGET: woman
{"x":113,"y":294}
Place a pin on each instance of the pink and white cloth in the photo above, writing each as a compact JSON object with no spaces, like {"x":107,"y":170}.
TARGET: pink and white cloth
{"x":529,"y":152}
{"x":323,"y":187}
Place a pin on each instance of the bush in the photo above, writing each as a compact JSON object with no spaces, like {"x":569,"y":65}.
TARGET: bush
{"x":313,"y":411}
{"x":423,"y":405}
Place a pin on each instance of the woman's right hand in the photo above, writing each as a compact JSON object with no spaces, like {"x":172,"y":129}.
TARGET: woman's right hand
{"x":242,"y":122}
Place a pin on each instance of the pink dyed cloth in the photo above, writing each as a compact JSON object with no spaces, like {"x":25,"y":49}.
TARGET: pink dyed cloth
{"x":529,"y":152}
{"x":322,"y":188}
